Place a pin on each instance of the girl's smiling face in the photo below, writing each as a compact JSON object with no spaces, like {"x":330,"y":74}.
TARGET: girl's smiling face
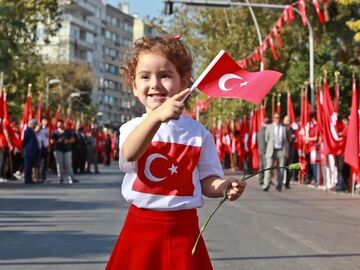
{"x":156,"y":79}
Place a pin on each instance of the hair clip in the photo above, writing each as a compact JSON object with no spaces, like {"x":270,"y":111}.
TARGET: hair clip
{"x":176,"y":37}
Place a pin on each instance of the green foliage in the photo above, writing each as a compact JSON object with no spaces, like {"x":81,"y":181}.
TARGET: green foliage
{"x":74,"y":78}
{"x":19,"y":25}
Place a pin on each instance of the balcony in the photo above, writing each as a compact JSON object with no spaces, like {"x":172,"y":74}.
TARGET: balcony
{"x":77,"y":6}
{"x":80,"y":23}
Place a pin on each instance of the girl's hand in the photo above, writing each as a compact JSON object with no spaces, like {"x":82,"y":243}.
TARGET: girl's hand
{"x":235,"y":188}
{"x":172,"y":108}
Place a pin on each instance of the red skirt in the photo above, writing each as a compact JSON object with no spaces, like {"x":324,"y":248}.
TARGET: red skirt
{"x":160,"y":240}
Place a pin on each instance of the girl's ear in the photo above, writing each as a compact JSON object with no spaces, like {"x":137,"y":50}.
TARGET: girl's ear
{"x":134,"y":89}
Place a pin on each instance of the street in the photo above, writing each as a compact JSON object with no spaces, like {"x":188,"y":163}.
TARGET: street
{"x":53,"y":226}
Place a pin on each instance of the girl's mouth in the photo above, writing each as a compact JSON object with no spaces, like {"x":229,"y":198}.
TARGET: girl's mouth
{"x":158,"y":95}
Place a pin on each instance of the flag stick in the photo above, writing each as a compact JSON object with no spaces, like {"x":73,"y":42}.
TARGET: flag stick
{"x":203,"y":74}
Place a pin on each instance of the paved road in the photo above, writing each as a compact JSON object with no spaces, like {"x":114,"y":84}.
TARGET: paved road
{"x":74,"y":227}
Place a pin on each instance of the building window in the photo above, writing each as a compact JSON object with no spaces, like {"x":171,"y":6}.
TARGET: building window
{"x":111,"y":69}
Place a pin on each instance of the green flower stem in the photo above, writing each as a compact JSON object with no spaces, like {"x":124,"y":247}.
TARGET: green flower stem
{"x":225,"y":198}
{"x":267,"y":169}
{"x":207,"y":221}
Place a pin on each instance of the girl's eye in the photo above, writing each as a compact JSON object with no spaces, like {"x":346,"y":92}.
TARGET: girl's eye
{"x":165,"y":76}
{"x":144,"y":77}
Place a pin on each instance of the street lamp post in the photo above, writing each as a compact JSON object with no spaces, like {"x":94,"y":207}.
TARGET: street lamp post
{"x":50,"y":82}
{"x":73,"y":95}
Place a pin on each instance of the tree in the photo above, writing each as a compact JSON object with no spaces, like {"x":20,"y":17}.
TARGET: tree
{"x":19,"y":25}
{"x":353,"y":24}
{"x":73,"y":78}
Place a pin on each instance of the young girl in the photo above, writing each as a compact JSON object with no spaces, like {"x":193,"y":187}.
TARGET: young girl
{"x":170,"y":160}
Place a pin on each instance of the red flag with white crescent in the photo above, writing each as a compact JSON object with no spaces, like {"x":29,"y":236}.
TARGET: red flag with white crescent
{"x":333,"y":143}
{"x":225,"y":79}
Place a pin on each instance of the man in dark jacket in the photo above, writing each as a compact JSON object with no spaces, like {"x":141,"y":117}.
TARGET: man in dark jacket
{"x":31,"y":150}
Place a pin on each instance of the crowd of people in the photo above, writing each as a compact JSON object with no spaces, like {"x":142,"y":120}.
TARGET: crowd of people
{"x":64,"y":151}
{"x":281,"y":143}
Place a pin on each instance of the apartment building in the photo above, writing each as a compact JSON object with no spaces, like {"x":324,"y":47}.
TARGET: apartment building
{"x":97,"y":34}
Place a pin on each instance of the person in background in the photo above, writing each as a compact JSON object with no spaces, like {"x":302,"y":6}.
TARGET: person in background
{"x":31,"y":150}
{"x":63,"y":139}
{"x":343,"y":168}
{"x":107,"y":150}
{"x":293,"y":156}
{"x":43,"y":137}
{"x":79,"y":151}
{"x":260,"y":138}
{"x":312,"y":145}
{"x":91,"y":156}
{"x":277,"y":144}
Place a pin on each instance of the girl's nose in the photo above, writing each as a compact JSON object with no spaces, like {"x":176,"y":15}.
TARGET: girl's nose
{"x":155,"y":82}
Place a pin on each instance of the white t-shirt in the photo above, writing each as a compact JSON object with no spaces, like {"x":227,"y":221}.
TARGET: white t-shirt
{"x":167,"y":176}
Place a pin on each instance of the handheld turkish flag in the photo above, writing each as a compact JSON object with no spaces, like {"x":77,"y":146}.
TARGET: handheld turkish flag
{"x":224,"y":78}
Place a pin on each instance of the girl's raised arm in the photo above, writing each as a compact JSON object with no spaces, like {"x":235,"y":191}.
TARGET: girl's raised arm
{"x":140,"y":138}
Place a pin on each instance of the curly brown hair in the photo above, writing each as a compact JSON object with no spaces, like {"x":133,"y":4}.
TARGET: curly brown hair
{"x":168,"y":46}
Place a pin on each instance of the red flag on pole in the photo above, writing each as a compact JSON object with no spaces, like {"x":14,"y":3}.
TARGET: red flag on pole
{"x":13,"y":137}
{"x":26,"y":115}
{"x":1,"y":108}
{"x":302,"y":106}
{"x":218,"y":143}
{"x":255,"y":159}
{"x":320,"y":110}
{"x":57,"y":116}
{"x":333,"y":143}
{"x":224,"y":78}
{"x":352,"y":143}
{"x":291,"y":113}
{"x":39,"y":109}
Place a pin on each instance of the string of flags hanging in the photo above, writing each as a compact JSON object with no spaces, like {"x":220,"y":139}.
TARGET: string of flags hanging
{"x":273,"y":40}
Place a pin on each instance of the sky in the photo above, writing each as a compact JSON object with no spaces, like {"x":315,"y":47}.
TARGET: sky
{"x":144,"y":8}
